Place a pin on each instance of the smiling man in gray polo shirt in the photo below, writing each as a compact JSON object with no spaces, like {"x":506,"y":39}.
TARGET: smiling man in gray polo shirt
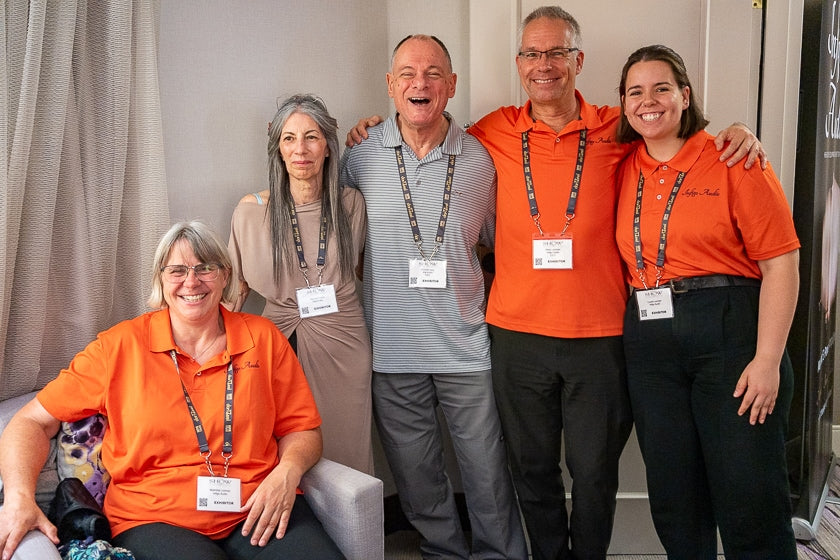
{"x":430,"y":195}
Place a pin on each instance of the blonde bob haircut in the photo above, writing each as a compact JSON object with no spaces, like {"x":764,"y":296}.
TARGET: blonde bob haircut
{"x":206,"y":246}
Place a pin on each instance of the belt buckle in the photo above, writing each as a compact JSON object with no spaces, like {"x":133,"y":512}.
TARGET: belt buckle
{"x":676,"y":290}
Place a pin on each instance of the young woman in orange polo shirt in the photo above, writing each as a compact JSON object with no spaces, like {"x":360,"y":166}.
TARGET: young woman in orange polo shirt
{"x":711,"y":255}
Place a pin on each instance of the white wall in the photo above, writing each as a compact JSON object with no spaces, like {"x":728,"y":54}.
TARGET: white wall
{"x":223,"y":64}
{"x":449,"y":22}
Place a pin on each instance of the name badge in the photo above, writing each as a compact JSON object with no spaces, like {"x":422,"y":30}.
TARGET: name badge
{"x":426,"y":274}
{"x":552,"y":251}
{"x":318,"y":300}
{"x":656,"y":303}
{"x":216,"y":493}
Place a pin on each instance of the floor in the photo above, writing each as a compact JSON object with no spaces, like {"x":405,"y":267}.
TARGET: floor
{"x":404,"y":545}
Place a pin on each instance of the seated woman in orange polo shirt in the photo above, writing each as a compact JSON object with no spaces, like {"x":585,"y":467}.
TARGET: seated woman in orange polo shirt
{"x":211,"y":423}
{"x":712,"y":256}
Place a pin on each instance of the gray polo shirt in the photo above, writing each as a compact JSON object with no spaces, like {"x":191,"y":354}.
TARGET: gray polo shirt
{"x":424,"y":330}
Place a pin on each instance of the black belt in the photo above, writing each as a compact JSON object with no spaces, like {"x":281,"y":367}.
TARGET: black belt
{"x":681,"y":285}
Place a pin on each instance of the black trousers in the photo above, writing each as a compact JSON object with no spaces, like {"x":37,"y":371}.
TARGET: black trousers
{"x":707,"y":468}
{"x":305,"y":539}
{"x":554,"y":392}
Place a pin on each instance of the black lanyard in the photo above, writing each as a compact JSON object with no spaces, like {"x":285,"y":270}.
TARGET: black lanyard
{"x":203,"y":446}
{"x":409,"y":204}
{"x":663,"y":230}
{"x":529,"y":181}
{"x":322,"y":241}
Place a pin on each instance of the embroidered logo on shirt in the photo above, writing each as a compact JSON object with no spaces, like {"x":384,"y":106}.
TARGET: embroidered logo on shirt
{"x":247,"y":365}
{"x":691,"y":193}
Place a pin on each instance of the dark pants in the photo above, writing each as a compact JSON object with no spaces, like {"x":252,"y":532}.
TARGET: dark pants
{"x":304,"y":539}
{"x":553,"y":392}
{"x":708,"y":468}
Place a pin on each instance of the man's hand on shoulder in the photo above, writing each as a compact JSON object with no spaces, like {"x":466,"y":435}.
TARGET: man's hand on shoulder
{"x":741,"y":143}
{"x":359,"y":132}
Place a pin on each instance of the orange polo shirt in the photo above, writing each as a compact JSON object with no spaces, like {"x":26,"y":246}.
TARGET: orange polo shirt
{"x":723,"y":220}
{"x":150,"y":446}
{"x":588,"y":300}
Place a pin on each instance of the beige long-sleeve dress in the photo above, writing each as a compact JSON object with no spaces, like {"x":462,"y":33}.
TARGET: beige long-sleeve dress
{"x":333,"y":349}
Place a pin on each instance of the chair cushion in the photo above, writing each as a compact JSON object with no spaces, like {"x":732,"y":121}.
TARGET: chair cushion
{"x":79,"y":447}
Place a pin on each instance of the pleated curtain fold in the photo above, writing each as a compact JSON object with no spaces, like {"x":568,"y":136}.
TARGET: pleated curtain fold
{"x":83,"y":198}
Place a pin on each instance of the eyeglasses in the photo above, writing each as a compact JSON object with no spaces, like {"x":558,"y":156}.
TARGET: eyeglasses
{"x":552,"y":55}
{"x":178,"y":272}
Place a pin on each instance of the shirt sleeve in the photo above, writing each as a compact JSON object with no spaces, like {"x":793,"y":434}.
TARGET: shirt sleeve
{"x":85,"y":380}
{"x":346,"y":175}
{"x":762,"y":215}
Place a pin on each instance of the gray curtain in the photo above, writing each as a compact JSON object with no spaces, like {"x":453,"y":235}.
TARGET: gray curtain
{"x":82,"y":185}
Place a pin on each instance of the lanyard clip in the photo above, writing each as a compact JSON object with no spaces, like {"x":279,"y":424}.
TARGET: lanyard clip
{"x":207,"y":462}
{"x":419,"y":245}
{"x":641,"y":273}
{"x":569,"y":217}
{"x":303,"y":269}
{"x":536,"y":218}
{"x":227,"y":457}
{"x":435,"y":250}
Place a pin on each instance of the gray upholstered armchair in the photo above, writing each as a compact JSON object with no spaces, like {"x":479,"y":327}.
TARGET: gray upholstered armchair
{"x":347,"y":502}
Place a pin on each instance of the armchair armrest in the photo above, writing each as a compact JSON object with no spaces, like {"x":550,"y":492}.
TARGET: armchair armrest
{"x":36,"y":546}
{"x":349,"y":505}
{"x":48,"y":479}
{"x":9,"y":407}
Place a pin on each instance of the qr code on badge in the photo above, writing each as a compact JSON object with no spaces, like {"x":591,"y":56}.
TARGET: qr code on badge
{"x":304,"y":310}
{"x":538,"y":261}
{"x":412,"y":280}
{"x":202,"y":502}
{"x":643,"y":313}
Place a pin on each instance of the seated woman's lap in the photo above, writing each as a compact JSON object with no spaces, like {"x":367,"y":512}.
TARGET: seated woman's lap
{"x":305,"y":538}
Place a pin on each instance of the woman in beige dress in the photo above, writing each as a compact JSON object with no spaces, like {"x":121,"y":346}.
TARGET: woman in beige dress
{"x":298,"y":245}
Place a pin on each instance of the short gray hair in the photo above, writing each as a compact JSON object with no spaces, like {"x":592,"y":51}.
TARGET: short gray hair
{"x":558,"y":13}
{"x":422,"y":37}
{"x":207,"y":247}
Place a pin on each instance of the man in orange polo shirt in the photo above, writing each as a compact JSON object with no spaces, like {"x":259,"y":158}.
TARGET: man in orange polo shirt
{"x":558,"y":297}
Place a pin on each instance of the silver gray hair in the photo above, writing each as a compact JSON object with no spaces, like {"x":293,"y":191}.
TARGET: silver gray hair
{"x":207,"y":248}
{"x":280,"y":196}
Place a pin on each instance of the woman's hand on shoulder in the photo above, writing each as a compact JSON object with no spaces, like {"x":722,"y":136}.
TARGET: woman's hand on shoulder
{"x":239,"y":302}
